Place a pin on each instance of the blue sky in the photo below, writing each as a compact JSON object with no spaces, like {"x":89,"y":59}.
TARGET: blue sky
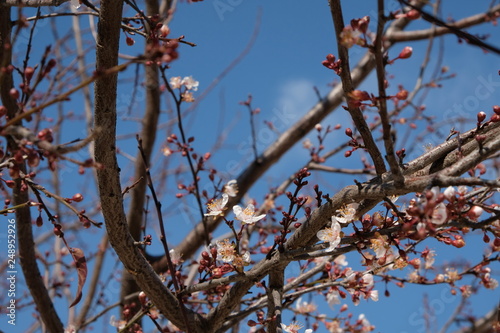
{"x":280,"y":71}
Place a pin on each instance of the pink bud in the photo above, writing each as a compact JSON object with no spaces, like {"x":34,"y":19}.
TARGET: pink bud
{"x":77,"y":197}
{"x":142,"y":298}
{"x":406,"y":53}
{"x":481,"y":116}
{"x":330,"y":58}
{"x":496,"y":242}
{"x":28,"y":73}
{"x":164,"y":30}
{"x":14,"y":93}
{"x":474,"y":213}
{"x":359,"y":95}
{"x":486,"y":238}
{"x":402,"y":94}
{"x":413,"y":14}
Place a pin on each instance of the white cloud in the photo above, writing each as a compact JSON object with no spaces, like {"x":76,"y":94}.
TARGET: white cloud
{"x":297,"y":96}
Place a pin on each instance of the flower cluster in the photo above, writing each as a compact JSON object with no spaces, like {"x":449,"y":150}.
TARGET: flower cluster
{"x":188,"y":83}
{"x":332,"y":64}
{"x":226,"y":251}
{"x":218,"y":206}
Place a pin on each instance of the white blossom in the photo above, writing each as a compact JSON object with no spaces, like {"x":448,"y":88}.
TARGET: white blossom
{"x":347,"y":213}
{"x":216,"y":207}
{"x":439,"y":215}
{"x":331,"y":235}
{"x":231,"y":188}
{"x":247,"y":215}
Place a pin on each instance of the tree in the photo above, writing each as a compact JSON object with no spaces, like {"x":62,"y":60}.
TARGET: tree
{"x":246,"y":263}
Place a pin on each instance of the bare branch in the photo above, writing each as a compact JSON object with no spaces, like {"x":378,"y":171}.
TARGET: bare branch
{"x":348,"y":87}
{"x":31,"y":3}
{"x":402,"y":36}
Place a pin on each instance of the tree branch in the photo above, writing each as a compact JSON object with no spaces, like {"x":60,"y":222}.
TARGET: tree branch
{"x":31,"y":3}
{"x":109,"y":176}
{"x":348,"y":86}
{"x":445,"y":28}
{"x":26,"y":245}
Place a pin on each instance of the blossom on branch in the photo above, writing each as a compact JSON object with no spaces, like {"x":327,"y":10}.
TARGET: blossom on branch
{"x":439,"y":214}
{"x":294,"y":327}
{"x":217,"y":207}
{"x":175,"y":82}
{"x":347,"y":213}
{"x":231,"y":188}
{"x":350,"y":37}
{"x":191,"y":84}
{"x":331,"y":235}
{"x":225,"y":250}
{"x":247,"y":215}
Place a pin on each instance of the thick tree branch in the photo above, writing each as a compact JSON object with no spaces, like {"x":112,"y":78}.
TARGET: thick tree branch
{"x":423,"y":172}
{"x":109,"y":176}
{"x":135,"y":216}
{"x":275,"y":298}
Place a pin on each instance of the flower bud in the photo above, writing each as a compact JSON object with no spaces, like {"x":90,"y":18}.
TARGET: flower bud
{"x":164,"y":30}
{"x":28,"y":73}
{"x":406,"y":53}
{"x":481,"y":116}
{"x":359,"y":95}
{"x":130,"y":41}
{"x":330,"y":58}
{"x":77,"y":197}
{"x":14,"y":93}
{"x":413,"y":14}
{"x":142,"y":298}
{"x":402,"y":94}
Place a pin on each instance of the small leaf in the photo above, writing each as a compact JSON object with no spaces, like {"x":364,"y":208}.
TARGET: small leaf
{"x":81,"y":266}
